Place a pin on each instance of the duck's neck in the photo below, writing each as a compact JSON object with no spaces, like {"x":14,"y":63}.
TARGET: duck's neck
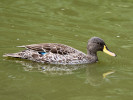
{"x":92,"y":55}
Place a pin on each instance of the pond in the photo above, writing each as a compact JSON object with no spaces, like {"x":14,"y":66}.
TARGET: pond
{"x":70,"y":22}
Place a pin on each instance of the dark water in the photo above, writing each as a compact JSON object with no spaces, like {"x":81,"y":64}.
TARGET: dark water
{"x":70,"y":22}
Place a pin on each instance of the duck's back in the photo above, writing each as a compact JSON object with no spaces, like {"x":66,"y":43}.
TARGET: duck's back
{"x":52,"y":53}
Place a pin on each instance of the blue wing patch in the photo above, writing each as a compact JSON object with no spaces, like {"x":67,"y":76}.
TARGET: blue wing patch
{"x":42,"y":53}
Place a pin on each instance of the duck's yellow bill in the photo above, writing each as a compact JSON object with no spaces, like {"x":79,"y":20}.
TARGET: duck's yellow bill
{"x":108,"y":52}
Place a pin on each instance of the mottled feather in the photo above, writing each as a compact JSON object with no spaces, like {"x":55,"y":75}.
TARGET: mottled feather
{"x":55,"y":53}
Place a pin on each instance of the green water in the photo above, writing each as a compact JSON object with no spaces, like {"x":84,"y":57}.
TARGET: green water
{"x":70,"y":22}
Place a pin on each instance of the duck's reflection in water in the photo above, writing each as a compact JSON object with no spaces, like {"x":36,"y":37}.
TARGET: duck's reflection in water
{"x":50,"y":69}
{"x":90,"y":72}
{"x":96,"y":77}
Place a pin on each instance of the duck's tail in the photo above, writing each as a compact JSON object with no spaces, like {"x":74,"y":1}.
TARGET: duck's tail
{"x":15,"y":55}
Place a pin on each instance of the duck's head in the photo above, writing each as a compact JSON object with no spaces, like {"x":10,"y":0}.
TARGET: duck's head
{"x":97,"y":44}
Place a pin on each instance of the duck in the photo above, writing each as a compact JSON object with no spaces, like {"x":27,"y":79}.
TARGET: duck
{"x":55,"y":53}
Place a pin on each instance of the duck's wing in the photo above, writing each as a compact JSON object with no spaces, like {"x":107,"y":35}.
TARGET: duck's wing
{"x":51,"y":47}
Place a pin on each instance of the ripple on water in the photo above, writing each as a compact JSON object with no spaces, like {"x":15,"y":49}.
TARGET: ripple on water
{"x":126,"y":46}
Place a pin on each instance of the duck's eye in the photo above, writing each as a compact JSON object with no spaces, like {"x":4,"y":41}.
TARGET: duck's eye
{"x":100,"y":43}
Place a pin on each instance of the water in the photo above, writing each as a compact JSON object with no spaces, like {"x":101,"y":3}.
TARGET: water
{"x":70,"y":22}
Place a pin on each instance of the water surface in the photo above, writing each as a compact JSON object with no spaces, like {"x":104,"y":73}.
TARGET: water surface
{"x":70,"y":22}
